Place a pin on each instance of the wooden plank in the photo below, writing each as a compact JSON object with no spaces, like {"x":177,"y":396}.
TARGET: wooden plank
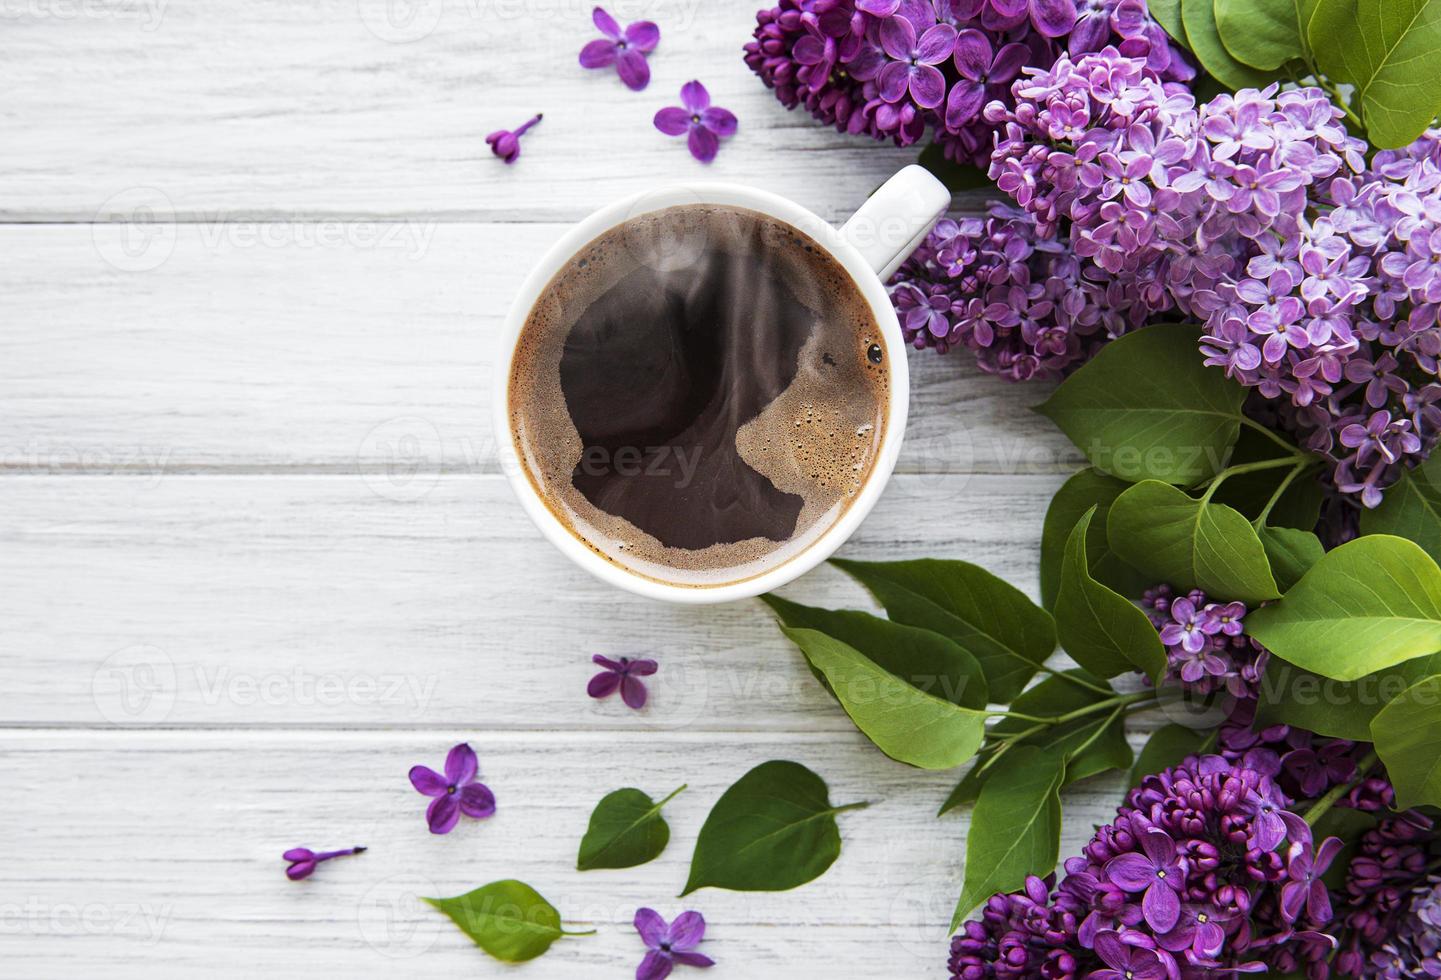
{"x":335,"y":345}
{"x":314,"y":601}
{"x":351,"y":108}
{"x":170,"y":859}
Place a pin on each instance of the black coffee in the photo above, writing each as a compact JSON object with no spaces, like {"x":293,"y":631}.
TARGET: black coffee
{"x":699,"y":394}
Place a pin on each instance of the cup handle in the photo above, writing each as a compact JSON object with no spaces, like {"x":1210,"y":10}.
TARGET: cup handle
{"x":897,"y":218}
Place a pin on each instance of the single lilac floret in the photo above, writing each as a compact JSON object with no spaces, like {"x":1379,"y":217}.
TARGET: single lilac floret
{"x":626,"y":49}
{"x":624,"y":674}
{"x":458,"y":791}
{"x":703,"y":124}
{"x":303,"y":861}
{"x":669,"y":944}
{"x":505,"y":143}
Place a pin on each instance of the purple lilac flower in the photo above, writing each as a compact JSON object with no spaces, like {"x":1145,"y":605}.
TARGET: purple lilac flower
{"x":703,"y":124}
{"x":303,"y":861}
{"x":1229,"y":918}
{"x":626,"y":49}
{"x":876,"y":67}
{"x":624,"y":674}
{"x":1387,"y":873}
{"x":1317,"y":277}
{"x":668,"y":945}
{"x":456,"y":792}
{"x":505,"y":143}
{"x":1206,"y":644}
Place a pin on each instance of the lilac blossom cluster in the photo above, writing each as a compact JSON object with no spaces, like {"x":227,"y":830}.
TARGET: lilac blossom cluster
{"x":1027,"y":306}
{"x":892,"y":69}
{"x":1391,"y":903}
{"x":1204,"y":871}
{"x":1206,"y":642}
{"x":1317,"y":277}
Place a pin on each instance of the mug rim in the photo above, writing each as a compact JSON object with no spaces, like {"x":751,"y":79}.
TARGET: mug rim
{"x":863,"y":276}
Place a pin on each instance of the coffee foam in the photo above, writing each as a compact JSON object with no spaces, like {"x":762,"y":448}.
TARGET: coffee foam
{"x":818,"y":440}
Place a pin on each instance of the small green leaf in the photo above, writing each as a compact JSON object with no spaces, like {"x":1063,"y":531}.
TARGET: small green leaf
{"x":1205,"y":41}
{"x":1370,"y":604}
{"x":508,"y":919}
{"x":1390,"y":51}
{"x":773,"y":830}
{"x":1264,"y":34}
{"x":926,"y":660}
{"x":958,"y":177}
{"x":1411,"y":509}
{"x":1015,"y":828}
{"x":904,"y":722}
{"x":966,"y":791}
{"x":1189,"y":544}
{"x":626,"y":829}
{"x":1167,"y":13}
{"x":1407,"y":733}
{"x":1291,"y":553}
{"x":1146,"y":407}
{"x":1086,"y":489}
{"x":1104,"y":632}
{"x":1336,"y":709}
{"x":1166,"y":748}
{"x":1008,"y":634}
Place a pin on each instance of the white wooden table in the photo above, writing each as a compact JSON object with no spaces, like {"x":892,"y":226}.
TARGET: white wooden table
{"x":257,"y":559}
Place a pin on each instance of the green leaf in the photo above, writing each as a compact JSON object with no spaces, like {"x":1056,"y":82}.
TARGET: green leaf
{"x":924,"y":659}
{"x":1199,"y":17}
{"x":1008,"y":634}
{"x":1167,"y":13}
{"x":1146,"y":407}
{"x":904,"y":722}
{"x":1104,"y":632}
{"x":1370,"y":604}
{"x":1407,"y":733}
{"x":1262,"y":33}
{"x":508,"y":919}
{"x":1290,"y":695}
{"x":1166,"y":747}
{"x":626,"y":829}
{"x":1104,"y":748}
{"x":1411,"y":509}
{"x":1015,"y":828}
{"x":957,"y":177}
{"x":1087,"y":489}
{"x":1391,"y":53}
{"x":1291,"y":553}
{"x":1189,"y":544}
{"x":967,"y":791}
{"x":773,"y":830}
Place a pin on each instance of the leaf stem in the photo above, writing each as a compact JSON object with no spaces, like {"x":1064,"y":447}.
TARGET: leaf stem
{"x":1118,"y":701}
{"x":1100,"y":730}
{"x":851,"y":806}
{"x":1265,"y":464}
{"x":1334,"y":91}
{"x":583,"y":932}
{"x":1291,"y":450}
{"x":1079,"y":682}
{"x":1301,"y":467}
{"x":1322,"y":805}
{"x":672,"y":796}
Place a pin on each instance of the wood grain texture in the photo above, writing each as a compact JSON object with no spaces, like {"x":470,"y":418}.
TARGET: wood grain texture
{"x":308,"y":601}
{"x":342,"y":345}
{"x":172,"y":865}
{"x":378,"y":108}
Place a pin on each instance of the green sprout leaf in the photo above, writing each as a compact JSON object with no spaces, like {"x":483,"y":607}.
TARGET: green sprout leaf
{"x":1370,"y":604}
{"x":1390,"y":52}
{"x":1411,"y":509}
{"x":1190,"y":544}
{"x":1103,"y":631}
{"x":773,"y":830}
{"x":933,"y":663}
{"x":1085,"y":490}
{"x":1147,"y":408}
{"x":903,"y":721}
{"x":1015,"y":828}
{"x":626,"y":829}
{"x":1008,"y":634}
{"x":508,"y":919}
{"x":1291,"y":553}
{"x":1204,"y":39}
{"x":1264,"y":34}
{"x":1407,"y":733}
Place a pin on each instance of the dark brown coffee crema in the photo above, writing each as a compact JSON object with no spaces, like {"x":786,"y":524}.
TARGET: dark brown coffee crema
{"x":699,"y":394}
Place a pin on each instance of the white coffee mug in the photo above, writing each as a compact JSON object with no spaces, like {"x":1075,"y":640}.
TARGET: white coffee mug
{"x":870,"y":247}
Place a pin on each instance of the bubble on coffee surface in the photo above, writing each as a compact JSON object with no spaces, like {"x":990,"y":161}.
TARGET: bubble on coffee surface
{"x":699,"y":422}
